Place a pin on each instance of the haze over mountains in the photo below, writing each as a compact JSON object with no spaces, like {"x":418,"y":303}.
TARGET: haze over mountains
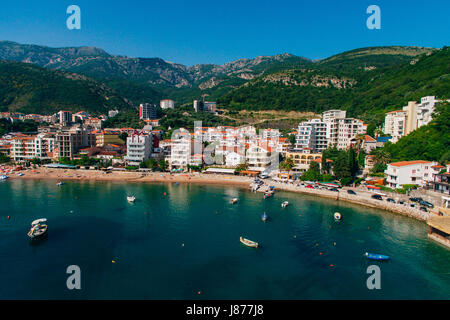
{"x":283,"y":81}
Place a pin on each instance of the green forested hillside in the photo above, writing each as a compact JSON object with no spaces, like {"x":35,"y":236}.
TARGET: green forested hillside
{"x":28,"y":88}
{"x":368,"y":94}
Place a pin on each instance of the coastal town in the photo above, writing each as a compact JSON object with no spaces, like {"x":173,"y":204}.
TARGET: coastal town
{"x":299,"y":159}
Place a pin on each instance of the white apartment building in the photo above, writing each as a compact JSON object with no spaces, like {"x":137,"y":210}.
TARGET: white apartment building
{"x":418,"y":172}
{"x":139,"y":148}
{"x":312,"y":134}
{"x":395,"y":124}
{"x":30,"y":147}
{"x":261,"y":158}
{"x":342,"y":131}
{"x":329,"y":115}
{"x":233,"y":159}
{"x":182,"y":149}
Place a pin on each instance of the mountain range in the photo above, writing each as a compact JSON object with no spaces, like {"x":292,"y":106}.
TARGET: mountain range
{"x":283,"y":81}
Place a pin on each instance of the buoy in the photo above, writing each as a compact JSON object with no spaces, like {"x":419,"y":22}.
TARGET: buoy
{"x":199,"y":292}
{"x":320,"y":253}
{"x":331,"y":265}
{"x":295,"y":237}
{"x":334,"y":243}
{"x":8,"y":217}
{"x":113,"y":261}
{"x":165,"y":193}
{"x":182,"y":244}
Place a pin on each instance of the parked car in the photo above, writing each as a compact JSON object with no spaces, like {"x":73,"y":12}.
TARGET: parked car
{"x":415,"y":199}
{"x":351,"y":192}
{"x":310,"y":186}
{"x":426,"y":204}
{"x":263,"y":176}
{"x":412,"y":205}
{"x":423,"y":209}
{"x":390,"y":200}
{"x":377,"y":197}
{"x":401,"y":202}
{"x":334,"y":189}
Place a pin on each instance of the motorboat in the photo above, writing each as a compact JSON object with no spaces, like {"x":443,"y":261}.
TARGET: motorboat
{"x":60,"y":183}
{"x":284,"y":204}
{"x":4,"y":177}
{"x":264,"y":217}
{"x":249,"y":243}
{"x":131,"y":198}
{"x":234,"y":200}
{"x":337,"y":216}
{"x":38,"y":229}
{"x":21,"y":174}
{"x":376,"y":256}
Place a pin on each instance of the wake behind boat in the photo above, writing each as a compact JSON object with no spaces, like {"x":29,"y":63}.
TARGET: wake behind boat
{"x":264,"y":217}
{"x":249,"y":243}
{"x":38,"y":229}
{"x":376,"y":256}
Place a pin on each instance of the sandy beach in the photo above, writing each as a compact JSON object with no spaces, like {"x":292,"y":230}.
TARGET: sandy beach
{"x":363,"y":197}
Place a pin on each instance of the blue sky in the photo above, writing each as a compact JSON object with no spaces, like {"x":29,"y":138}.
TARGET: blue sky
{"x":217,"y":31}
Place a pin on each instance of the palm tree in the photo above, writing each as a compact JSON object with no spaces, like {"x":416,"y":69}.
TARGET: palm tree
{"x":382,"y":156}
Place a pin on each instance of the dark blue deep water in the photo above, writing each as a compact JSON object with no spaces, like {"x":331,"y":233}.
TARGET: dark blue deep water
{"x":145,"y":239}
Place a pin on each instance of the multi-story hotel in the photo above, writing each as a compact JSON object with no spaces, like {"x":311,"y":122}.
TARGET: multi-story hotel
{"x":302,"y":158}
{"x":147,"y":111}
{"x":395,"y":124}
{"x":312,"y":134}
{"x":167,"y":104}
{"x":29,"y":147}
{"x":139,"y":148}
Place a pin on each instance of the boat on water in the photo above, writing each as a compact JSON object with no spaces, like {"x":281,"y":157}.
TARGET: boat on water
{"x":131,"y":198}
{"x":4,"y":177}
{"x":21,"y":174}
{"x":60,"y":183}
{"x":264,"y":217}
{"x":38,"y":229}
{"x":376,"y":256}
{"x":249,"y":243}
{"x":234,"y":200}
{"x":285,"y":204}
{"x":337,"y":216}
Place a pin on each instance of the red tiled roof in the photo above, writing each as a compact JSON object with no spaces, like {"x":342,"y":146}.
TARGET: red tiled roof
{"x":408,"y":163}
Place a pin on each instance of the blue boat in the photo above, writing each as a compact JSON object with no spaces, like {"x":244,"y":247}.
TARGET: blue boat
{"x":3,"y":177}
{"x":376,"y":256}
{"x":264,"y":217}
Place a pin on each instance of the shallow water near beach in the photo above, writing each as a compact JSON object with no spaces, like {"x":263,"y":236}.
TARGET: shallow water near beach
{"x":176,"y":245}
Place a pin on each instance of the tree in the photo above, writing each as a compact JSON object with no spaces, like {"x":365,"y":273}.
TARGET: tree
{"x":163,"y":165}
{"x":381,"y":156}
{"x":287,"y":164}
{"x":352,"y":162}
{"x":313,"y":173}
{"x":341,"y":167}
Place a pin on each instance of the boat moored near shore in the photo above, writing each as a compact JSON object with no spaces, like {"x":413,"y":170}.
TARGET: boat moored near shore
{"x":131,"y":199}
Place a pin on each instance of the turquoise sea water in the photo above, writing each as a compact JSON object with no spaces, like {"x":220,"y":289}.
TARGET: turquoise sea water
{"x":145,"y":240}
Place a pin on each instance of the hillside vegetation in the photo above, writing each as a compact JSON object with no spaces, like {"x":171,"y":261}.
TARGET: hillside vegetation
{"x":30,"y":89}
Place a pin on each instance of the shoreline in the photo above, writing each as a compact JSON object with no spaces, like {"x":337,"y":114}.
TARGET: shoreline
{"x":362,"y":198}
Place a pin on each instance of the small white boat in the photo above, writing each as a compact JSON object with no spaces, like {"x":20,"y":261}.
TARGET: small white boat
{"x":4,"y":177}
{"x":284,"y":204}
{"x":264,"y":217}
{"x":21,"y":174}
{"x":337,"y":216}
{"x":131,"y":198}
{"x":249,"y":243}
{"x":38,"y":229}
{"x":60,"y":183}
{"x":234,"y":200}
